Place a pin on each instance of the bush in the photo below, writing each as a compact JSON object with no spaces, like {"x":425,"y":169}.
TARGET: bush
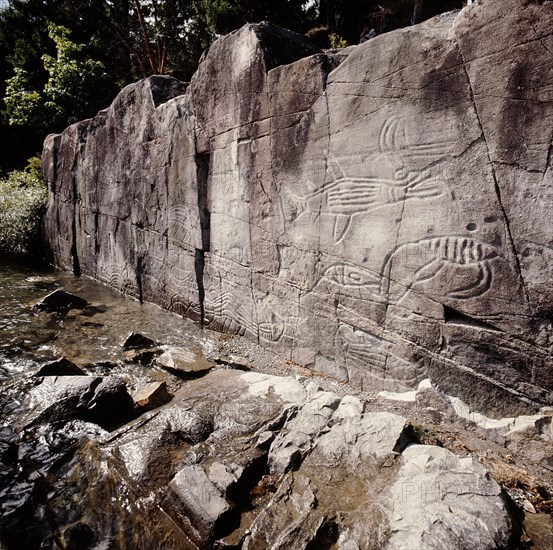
{"x":336,"y":41}
{"x":22,"y":198}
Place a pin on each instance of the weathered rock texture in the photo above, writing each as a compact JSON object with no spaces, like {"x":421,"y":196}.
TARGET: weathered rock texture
{"x":354,"y":481}
{"x":382,"y":219}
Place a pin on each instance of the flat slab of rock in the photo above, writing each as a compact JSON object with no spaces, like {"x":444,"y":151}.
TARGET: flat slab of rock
{"x":184,"y":360}
{"x":201,"y":500}
{"x":152,"y":395}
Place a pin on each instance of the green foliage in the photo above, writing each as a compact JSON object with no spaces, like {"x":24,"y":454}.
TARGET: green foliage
{"x":66,"y":96}
{"x":23,"y":104}
{"x":22,"y":198}
{"x":336,"y":41}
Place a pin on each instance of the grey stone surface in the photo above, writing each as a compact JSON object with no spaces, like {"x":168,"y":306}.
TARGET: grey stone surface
{"x":381,"y":216}
{"x":152,"y":395}
{"x":467,"y":497}
{"x":184,"y":360}
{"x":355,"y":482}
{"x":201,"y":500}
{"x":104,"y":401}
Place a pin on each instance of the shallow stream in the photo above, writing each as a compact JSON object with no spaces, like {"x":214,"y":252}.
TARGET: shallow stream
{"x":55,"y":490}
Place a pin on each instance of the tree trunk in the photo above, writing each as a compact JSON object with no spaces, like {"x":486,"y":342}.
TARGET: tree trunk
{"x":417,"y":10}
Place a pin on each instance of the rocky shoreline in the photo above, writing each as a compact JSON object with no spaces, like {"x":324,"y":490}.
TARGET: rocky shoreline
{"x":226,"y":445}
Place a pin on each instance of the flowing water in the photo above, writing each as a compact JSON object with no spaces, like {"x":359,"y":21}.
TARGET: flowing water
{"x":56,"y":489}
{"x":94,"y":335}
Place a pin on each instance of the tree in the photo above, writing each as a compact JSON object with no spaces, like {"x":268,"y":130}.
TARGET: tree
{"x":66,"y":96}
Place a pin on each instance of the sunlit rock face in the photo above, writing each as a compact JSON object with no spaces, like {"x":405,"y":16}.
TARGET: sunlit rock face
{"x":381,"y":217}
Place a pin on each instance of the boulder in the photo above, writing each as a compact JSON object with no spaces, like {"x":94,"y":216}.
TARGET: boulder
{"x":135,"y":341}
{"x":60,"y":367}
{"x":201,"y":502}
{"x":60,"y":300}
{"x":434,"y":482}
{"x":104,"y":401}
{"x":152,"y":395}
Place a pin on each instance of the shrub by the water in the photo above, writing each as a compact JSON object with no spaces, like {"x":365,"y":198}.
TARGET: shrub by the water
{"x":22,"y":198}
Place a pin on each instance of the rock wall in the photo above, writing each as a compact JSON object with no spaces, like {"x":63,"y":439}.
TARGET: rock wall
{"x":380,"y":214}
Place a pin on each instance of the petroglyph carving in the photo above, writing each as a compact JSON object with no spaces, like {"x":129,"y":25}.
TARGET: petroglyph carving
{"x":346,"y":274}
{"x":464,"y":255}
{"x":394,"y":140}
{"x":233,"y":318}
{"x":351,"y":279}
{"x":356,"y":347}
{"x":345,"y":197}
{"x":181,"y":228}
{"x":182,"y":278}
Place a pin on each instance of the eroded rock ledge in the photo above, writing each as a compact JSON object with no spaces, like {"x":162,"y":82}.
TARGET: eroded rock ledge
{"x":381,"y":217}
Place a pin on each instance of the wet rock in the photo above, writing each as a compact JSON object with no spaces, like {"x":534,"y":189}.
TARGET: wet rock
{"x":60,"y":367}
{"x":152,"y":395}
{"x":111,"y":404}
{"x":60,"y":300}
{"x":59,"y":398}
{"x":143,"y":357}
{"x":184,"y":361}
{"x":148,"y":445}
{"x":79,"y":535}
{"x":104,"y":401}
{"x":135,"y":340}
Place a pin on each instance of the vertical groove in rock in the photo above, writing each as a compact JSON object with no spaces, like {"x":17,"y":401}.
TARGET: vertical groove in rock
{"x":74,"y":253}
{"x":202,"y":174}
{"x":202,"y":178}
{"x":199,"y":265}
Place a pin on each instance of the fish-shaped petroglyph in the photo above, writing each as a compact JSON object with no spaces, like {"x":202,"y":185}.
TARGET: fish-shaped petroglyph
{"x":434,"y":254}
{"x":345,"y":197}
{"x":353,"y":278}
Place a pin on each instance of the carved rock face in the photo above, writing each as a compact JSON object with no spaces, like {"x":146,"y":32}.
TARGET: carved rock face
{"x":381,"y":220}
